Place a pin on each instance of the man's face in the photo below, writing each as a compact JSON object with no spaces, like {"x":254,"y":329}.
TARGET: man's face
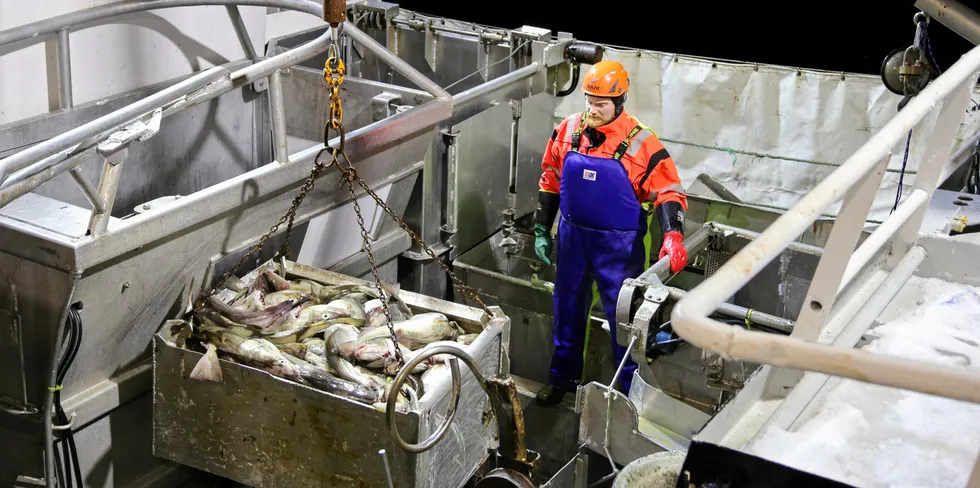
{"x":601,"y":111}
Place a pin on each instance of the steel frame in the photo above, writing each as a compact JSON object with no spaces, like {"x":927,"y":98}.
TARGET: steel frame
{"x":855,"y":181}
{"x":28,"y":169}
{"x":112,"y":241}
{"x":25,"y":170}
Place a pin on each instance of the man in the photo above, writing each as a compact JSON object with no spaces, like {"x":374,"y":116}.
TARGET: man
{"x":599,"y":167}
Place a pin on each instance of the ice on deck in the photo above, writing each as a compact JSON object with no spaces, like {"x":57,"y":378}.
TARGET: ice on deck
{"x":873,"y":436}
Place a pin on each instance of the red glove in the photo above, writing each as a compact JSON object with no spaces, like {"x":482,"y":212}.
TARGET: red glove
{"x":674,"y":245}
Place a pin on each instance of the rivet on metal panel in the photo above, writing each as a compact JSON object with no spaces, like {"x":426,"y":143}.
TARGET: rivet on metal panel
{"x":656,"y":294}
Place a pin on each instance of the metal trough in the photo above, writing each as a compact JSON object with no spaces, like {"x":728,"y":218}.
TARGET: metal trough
{"x":263,"y":431}
{"x":518,"y":282}
{"x":676,"y":395}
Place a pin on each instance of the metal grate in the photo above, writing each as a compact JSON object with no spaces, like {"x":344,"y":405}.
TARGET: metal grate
{"x":714,"y":260}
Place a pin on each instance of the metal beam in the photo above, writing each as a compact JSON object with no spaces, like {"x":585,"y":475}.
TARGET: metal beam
{"x":953,"y":14}
{"x":64,"y":69}
{"x":65,"y":142}
{"x":241,"y":31}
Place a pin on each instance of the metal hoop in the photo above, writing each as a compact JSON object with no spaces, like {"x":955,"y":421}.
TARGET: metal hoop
{"x":326,"y":138}
{"x":406,"y":370}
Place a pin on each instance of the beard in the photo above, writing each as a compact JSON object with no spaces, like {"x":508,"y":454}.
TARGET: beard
{"x":594,"y":121}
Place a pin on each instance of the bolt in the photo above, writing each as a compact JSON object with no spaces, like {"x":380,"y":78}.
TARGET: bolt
{"x":125,"y":286}
{"x":146,"y":206}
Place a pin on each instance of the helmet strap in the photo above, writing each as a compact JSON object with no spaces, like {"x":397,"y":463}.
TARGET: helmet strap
{"x":619,"y":102}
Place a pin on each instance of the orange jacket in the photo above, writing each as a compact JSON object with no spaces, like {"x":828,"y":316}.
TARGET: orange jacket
{"x":646,"y":154}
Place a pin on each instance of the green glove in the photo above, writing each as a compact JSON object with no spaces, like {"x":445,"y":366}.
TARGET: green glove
{"x":542,"y":243}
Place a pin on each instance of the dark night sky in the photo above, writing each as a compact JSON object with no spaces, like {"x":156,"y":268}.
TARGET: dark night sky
{"x":824,"y":35}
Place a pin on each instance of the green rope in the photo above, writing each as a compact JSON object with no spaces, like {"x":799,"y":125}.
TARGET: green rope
{"x":733,"y":152}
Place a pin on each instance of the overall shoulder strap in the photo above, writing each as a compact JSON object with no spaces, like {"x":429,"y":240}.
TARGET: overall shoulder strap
{"x":577,"y":135}
{"x":623,"y":146}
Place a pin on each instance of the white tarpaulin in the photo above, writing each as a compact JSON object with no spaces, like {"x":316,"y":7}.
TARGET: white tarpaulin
{"x":740,"y":122}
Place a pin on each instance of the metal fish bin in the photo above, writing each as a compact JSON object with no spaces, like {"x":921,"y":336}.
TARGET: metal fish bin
{"x":264,"y":431}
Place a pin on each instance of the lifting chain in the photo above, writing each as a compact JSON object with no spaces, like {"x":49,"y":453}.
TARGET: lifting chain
{"x":336,"y":115}
{"x":333,"y":74}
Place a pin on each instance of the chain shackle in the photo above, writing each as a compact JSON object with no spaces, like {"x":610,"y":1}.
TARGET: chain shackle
{"x":333,"y":74}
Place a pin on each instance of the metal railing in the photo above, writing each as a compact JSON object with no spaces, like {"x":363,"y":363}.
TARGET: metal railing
{"x":856,"y":181}
{"x":109,"y":136}
{"x":25,"y":170}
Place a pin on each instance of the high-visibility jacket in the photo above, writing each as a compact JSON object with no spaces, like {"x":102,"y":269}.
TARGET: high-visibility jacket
{"x":649,"y":166}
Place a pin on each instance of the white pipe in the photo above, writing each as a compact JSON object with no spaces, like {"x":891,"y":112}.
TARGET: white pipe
{"x":849,"y":325}
{"x":880,"y":236}
{"x":778,"y":350}
{"x":690,"y":315}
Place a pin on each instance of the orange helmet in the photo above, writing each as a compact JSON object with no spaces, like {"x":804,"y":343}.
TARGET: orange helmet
{"x":607,"y":79}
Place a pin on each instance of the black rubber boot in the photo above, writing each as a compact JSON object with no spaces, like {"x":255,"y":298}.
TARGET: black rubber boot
{"x":550,"y":396}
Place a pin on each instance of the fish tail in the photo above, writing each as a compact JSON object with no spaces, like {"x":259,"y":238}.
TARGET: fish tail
{"x":208,"y":368}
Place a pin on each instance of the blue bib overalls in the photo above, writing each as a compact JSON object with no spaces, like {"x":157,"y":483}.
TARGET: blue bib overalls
{"x":600,"y":237}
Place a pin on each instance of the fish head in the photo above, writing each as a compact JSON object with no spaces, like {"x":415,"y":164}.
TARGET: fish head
{"x":285,"y":369}
{"x":351,"y":307}
{"x":373,"y":306}
{"x":276,"y":282}
{"x":323,"y":313}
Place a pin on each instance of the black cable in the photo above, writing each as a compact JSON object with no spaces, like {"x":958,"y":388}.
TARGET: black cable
{"x":70,"y":433}
{"x":573,"y":85}
{"x":62,"y":460}
{"x":68,"y":464}
{"x":967,"y":229}
{"x":59,"y":468}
